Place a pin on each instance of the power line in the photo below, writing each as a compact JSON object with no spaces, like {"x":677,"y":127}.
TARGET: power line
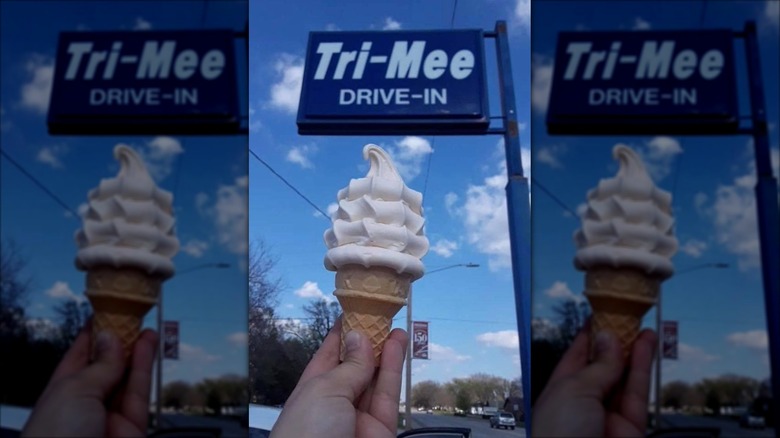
{"x":428,"y":170}
{"x":325,"y":215}
{"x":452,"y":20}
{"x":40,"y":185}
{"x":553,"y":197}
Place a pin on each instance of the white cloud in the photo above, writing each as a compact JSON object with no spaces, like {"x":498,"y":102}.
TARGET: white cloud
{"x":550,"y":155}
{"x":754,"y":339}
{"x":238,"y":339}
{"x":52,"y":155}
{"x":36,"y":92}
{"x":60,"y":289}
{"x":286,"y":92}
{"x":733,"y":213}
{"x":694,"y":248}
{"x":42,"y":328}
{"x":332,"y":27}
{"x":699,"y":201}
{"x":194,"y":353}
{"x":542,"y":328}
{"x":560,"y":289}
{"x":391,"y":24}
{"x":310,"y":289}
{"x":141,"y":24}
{"x":690,"y":353}
{"x":506,"y":339}
{"x":484,"y":213}
{"x":541,"y":81}
{"x":523,"y":13}
{"x":300,"y":155}
{"x":659,"y":154}
{"x":640,"y":24}
{"x":228,"y":214}
{"x":772,"y":12}
{"x":159,"y":154}
{"x":408,"y":154}
{"x":255,"y":125}
{"x":195,"y":248}
{"x":445,"y":248}
{"x":445,"y":354}
{"x":450,"y":199}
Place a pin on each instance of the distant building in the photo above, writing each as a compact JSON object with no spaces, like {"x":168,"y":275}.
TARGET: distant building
{"x":514,"y":405}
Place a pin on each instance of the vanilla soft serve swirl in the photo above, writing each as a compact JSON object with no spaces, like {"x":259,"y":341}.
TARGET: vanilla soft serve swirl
{"x":628,"y":222}
{"x":129,"y":222}
{"x":379,"y":221}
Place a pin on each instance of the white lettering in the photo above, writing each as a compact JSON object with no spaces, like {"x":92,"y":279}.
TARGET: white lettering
{"x":404,"y":60}
{"x":462,"y":64}
{"x":155,"y":62}
{"x":711,"y":64}
{"x":327,"y":50}
{"x":684,"y":64}
{"x":435,"y":64}
{"x":653,"y":61}
{"x":76,"y":50}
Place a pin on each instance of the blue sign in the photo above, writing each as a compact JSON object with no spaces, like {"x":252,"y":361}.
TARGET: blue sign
{"x":394,"y":82}
{"x":125,"y":83}
{"x":644,"y":83}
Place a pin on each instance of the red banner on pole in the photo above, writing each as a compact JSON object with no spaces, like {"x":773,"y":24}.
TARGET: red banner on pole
{"x":670,"y":338}
{"x":171,"y":339}
{"x":420,"y":340}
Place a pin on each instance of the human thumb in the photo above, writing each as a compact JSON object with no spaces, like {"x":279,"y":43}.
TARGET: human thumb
{"x":357,"y":370}
{"x":607,"y":367}
{"x":102,"y":375}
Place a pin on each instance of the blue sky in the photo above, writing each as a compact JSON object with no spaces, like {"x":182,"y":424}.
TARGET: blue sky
{"x":208,"y":177}
{"x":720,"y":311}
{"x":471,"y":311}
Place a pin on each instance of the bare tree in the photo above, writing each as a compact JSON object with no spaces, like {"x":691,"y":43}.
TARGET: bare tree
{"x":14,"y":290}
{"x":264,"y":287}
{"x":424,"y":393}
{"x":322,"y":316}
{"x":72,"y":316}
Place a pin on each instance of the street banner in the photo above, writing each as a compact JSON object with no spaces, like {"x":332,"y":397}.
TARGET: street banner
{"x":151,"y":82}
{"x":420,"y":340}
{"x":670,"y":338}
{"x":643,"y":83}
{"x":171,"y":339}
{"x":394,"y":82}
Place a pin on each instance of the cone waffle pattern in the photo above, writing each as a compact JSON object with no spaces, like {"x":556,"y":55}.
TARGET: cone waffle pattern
{"x":370,"y":299}
{"x":619,"y":298}
{"x":120,"y":299}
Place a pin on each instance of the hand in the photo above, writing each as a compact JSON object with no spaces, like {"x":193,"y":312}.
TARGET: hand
{"x":601,"y":399}
{"x":351,"y":399}
{"x":99,"y":399}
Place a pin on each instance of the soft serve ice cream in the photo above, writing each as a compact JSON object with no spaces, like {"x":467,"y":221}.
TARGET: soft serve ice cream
{"x":625,"y":247}
{"x":129,"y":221}
{"x":375,"y":246}
{"x":628,"y":221}
{"x":379,"y":221}
{"x":125,"y":246}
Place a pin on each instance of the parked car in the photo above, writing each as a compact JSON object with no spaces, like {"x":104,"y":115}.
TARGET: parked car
{"x":752,"y":421}
{"x":460,"y":412}
{"x":262,"y":420}
{"x":502,"y":419}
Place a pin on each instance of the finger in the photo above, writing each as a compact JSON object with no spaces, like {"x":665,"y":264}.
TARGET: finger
{"x":102,"y":376}
{"x":327,"y":357}
{"x":135,"y":395}
{"x":387,"y":390}
{"x":350,"y":378}
{"x":637,"y":389}
{"x":77,"y":356}
{"x":600,"y":377}
{"x":365,"y":401}
{"x":575,"y":358}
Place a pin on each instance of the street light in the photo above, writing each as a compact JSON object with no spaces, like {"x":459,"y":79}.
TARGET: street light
{"x":715,"y":265}
{"x":161,"y":340}
{"x":408,"y":408}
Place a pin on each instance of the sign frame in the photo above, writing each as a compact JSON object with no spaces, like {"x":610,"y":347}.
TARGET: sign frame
{"x":420,"y":344}
{"x":397,"y":125}
{"x":171,"y":337}
{"x":221,"y":116}
{"x":625,"y":121}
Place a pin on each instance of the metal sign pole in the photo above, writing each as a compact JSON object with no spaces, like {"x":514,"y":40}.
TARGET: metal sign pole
{"x":409,"y":353}
{"x":160,"y":357}
{"x":767,"y":213}
{"x":518,"y":209}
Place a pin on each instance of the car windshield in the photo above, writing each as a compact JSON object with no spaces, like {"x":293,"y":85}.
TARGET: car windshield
{"x":507,"y":416}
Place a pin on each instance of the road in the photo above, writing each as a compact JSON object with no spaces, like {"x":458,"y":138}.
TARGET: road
{"x":479,"y":428}
{"x":230,"y":427}
{"x":728,"y":427}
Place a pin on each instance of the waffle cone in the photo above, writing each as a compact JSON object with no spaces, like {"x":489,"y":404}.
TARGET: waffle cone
{"x":370,"y":298}
{"x":120,"y":299}
{"x":619,"y":298}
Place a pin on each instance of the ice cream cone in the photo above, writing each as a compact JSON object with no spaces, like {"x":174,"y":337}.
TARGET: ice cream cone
{"x":619,"y":298}
{"x":370,"y":298}
{"x":120,"y":298}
